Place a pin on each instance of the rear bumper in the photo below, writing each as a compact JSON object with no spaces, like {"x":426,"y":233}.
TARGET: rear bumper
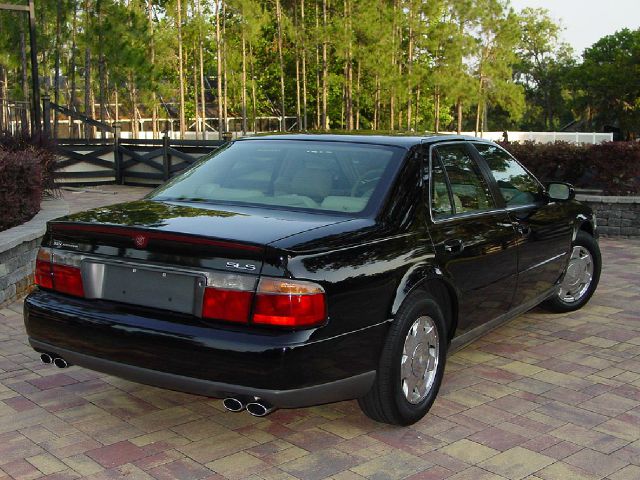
{"x":348,"y":388}
{"x":288,"y":369}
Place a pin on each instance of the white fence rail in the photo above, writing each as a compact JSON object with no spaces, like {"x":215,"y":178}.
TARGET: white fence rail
{"x":546,"y":137}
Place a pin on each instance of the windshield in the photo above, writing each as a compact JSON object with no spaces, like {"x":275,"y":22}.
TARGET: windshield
{"x":325,"y":176}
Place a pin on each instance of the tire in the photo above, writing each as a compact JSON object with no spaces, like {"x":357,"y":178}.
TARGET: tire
{"x":572,"y":293}
{"x":391,"y":400}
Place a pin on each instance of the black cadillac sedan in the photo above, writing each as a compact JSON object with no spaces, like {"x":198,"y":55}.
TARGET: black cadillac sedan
{"x":296,"y":270}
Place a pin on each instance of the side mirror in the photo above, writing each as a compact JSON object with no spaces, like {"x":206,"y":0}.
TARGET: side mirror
{"x":560,"y":191}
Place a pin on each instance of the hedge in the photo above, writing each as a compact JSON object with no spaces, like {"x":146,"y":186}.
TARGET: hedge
{"x":613,"y":167}
{"x":20,"y":187}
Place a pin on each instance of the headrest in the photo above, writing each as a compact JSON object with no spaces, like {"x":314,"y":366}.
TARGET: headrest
{"x":312,"y":182}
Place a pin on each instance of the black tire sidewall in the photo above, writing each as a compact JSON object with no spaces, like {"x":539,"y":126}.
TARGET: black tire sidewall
{"x":585,"y":240}
{"x":409,"y":413}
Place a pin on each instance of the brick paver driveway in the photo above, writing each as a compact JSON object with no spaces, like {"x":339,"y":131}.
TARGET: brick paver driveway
{"x":544,"y":396}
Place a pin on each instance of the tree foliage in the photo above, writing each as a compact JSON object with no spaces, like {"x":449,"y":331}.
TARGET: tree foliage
{"x":341,"y":64}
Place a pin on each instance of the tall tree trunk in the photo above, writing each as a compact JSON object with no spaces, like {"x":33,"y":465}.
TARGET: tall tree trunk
{"x":459,"y":114}
{"x":393,"y":64}
{"x":56,"y":84}
{"x":225,"y":83}
{"x":101,"y":69}
{"x":318,"y":70}
{"x":410,"y":66}
{"x":279,"y":33}
{"x":3,"y":99}
{"x":74,"y":33}
{"x":181,"y":70}
{"x":203,"y":103}
{"x":244,"y":84}
{"x":196,"y":96}
{"x":348,"y":92}
{"x":297,"y":54}
{"x":134,"y":106}
{"x":117,"y":107}
{"x":325,"y":69}
{"x":253,"y":91}
{"x":417,"y":107}
{"x":154,"y":100}
{"x":24,"y":118}
{"x":88,"y":130}
{"x":304,"y":68}
{"x":221,"y":126}
{"x":436,"y":102}
{"x":376,"y":104}
{"x":358,"y":93}
{"x":479,"y":106}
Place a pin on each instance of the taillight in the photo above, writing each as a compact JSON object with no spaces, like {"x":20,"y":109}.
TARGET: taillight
{"x":44,"y":275}
{"x":289,"y":303}
{"x":58,"y":272}
{"x":67,"y":279}
{"x":228,"y":297}
{"x":276,"y":302}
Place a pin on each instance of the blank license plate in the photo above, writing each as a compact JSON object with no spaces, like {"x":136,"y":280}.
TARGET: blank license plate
{"x":179,"y":292}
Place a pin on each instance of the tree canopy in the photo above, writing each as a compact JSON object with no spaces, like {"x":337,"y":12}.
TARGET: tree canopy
{"x":340,"y":64}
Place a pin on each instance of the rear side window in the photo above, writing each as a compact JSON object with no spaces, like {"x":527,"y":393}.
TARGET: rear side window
{"x":517,"y":186}
{"x":468,"y":189}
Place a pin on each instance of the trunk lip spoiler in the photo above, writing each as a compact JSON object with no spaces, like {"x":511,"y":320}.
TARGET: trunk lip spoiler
{"x":133,"y":232}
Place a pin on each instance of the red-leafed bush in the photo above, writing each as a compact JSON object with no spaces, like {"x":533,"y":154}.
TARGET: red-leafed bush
{"x":40,"y":147}
{"x":613,"y":167}
{"x":20,"y":187}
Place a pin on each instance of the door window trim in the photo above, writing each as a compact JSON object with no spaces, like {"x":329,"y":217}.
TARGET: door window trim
{"x":490,"y":181}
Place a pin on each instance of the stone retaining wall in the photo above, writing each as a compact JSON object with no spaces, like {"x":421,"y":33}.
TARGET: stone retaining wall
{"x":616,"y":216}
{"x":18,"y":248}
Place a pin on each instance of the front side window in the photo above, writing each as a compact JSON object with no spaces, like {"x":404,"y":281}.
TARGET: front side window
{"x":326,"y":176}
{"x":469,"y":190}
{"x":517,"y":186}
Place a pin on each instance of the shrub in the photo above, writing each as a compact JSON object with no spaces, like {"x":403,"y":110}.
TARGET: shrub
{"x":613,"y":167}
{"x":41,"y":148}
{"x":20,"y":187}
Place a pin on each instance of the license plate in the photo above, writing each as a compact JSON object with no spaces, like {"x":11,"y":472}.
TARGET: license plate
{"x":153,"y":287}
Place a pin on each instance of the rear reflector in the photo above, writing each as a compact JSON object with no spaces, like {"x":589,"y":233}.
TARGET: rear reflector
{"x":289,"y":303}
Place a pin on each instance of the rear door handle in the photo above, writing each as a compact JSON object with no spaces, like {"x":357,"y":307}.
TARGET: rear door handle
{"x":522,"y":229}
{"x":454,"y":246}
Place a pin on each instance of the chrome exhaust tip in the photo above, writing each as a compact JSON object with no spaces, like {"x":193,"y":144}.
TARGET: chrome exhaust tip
{"x":60,"y":362}
{"x":46,"y":358}
{"x":259,"y":408}
{"x":234,"y":404}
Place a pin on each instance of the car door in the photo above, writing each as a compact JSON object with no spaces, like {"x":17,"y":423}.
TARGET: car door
{"x":474,"y":240}
{"x":544,"y":227}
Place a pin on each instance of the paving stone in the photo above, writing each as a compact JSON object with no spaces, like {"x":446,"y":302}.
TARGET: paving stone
{"x":544,"y":397}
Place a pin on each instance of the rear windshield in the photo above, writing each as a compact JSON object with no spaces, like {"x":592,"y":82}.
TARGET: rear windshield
{"x":324,"y":176}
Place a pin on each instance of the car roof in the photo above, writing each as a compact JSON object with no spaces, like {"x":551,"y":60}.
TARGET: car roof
{"x":391,"y":140}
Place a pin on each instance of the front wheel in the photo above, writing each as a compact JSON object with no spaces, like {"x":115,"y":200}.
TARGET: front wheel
{"x":411,"y":366}
{"x":580,"y":278}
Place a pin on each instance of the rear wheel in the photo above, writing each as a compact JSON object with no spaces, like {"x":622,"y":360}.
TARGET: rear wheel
{"x":411,"y":366}
{"x":580,"y":278}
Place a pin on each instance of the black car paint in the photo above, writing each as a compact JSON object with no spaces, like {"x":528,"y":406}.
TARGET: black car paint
{"x":367,"y":265}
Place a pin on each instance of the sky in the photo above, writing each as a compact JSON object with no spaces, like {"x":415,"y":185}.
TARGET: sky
{"x":586,"y":21}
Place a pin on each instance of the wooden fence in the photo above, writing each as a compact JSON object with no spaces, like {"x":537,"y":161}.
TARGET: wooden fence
{"x":117,"y":160}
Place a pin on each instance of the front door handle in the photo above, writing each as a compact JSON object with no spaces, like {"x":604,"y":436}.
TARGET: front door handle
{"x":453,"y":246}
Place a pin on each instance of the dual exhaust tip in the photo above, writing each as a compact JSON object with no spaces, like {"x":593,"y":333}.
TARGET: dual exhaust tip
{"x":48,"y":359}
{"x":255,"y":406}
